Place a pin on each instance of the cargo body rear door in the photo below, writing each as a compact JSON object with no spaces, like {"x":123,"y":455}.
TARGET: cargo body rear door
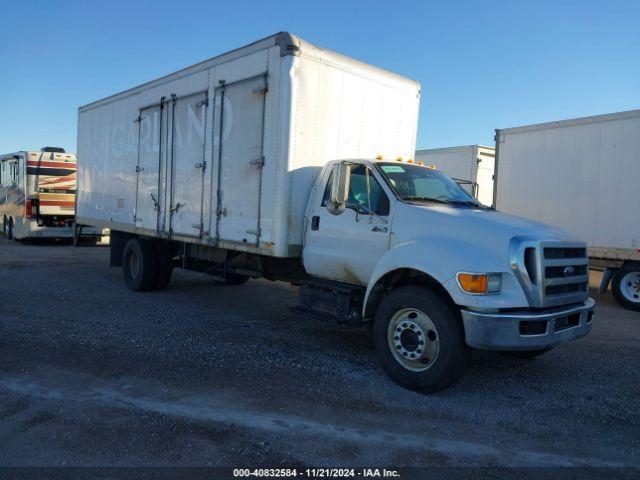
{"x":187,"y":164}
{"x":238,"y":155}
{"x":151,"y":198}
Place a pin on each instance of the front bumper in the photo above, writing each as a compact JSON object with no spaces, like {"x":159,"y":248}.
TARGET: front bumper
{"x":527,"y":330}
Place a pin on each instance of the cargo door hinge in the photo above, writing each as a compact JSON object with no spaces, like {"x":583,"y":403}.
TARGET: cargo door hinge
{"x":258,"y":162}
{"x":137,"y":119}
{"x":261,"y":88}
{"x":202,"y":165}
{"x":221,"y":212}
{"x":255,"y":232}
{"x":139,"y":169}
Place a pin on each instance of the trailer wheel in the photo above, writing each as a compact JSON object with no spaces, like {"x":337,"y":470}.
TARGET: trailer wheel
{"x":139,"y":264}
{"x":626,"y":286}
{"x":4,"y":225}
{"x":164,"y":265}
{"x":10,"y":229}
{"x":419,"y":340}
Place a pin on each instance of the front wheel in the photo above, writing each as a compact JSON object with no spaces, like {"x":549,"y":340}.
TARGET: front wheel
{"x":626,"y":286}
{"x":419,"y":340}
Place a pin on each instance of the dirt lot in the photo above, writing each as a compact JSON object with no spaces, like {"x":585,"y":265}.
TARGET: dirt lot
{"x":93,"y":374}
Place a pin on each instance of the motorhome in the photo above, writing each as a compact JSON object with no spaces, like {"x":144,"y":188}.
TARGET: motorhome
{"x":38,"y":193}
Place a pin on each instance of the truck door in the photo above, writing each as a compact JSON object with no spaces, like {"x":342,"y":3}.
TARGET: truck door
{"x":346,"y":247}
{"x":238,"y":155}
{"x":187,"y":164}
{"x":153,"y":134}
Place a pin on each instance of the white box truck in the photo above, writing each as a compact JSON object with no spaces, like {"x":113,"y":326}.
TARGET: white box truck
{"x":279,"y":160}
{"x":472,"y":166}
{"x":582,"y":175}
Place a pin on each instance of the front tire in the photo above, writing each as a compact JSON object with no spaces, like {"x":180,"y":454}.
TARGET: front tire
{"x":420,"y":340}
{"x":139,"y":264}
{"x":626,"y":286}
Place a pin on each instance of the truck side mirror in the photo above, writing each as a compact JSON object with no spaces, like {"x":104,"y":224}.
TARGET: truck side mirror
{"x":340,"y":177}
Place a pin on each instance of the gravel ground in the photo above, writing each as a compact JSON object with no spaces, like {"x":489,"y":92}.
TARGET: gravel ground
{"x":92,"y":374}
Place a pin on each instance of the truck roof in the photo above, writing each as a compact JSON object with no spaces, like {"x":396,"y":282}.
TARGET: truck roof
{"x":607,"y":117}
{"x":289,"y":45}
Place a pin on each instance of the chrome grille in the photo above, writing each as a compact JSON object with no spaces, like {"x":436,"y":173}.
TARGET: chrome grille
{"x":551,"y":273}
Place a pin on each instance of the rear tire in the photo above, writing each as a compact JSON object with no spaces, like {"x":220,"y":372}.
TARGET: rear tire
{"x":626,"y":286}
{"x":420,"y":340}
{"x":164,"y":265}
{"x":5,"y":225}
{"x":10,"y":229}
{"x":525,"y":354}
{"x":139,"y":264}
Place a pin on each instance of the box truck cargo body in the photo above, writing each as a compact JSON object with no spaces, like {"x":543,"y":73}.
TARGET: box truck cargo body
{"x":472,"y":166}
{"x":161,"y":158}
{"x":279,"y":161}
{"x":582,"y":175}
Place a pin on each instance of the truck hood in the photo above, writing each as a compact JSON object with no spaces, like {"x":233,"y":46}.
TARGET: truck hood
{"x":470,"y":225}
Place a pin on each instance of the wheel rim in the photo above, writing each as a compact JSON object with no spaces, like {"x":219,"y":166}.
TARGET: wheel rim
{"x":134,"y":265}
{"x":630,"y":286}
{"x":413,"y":339}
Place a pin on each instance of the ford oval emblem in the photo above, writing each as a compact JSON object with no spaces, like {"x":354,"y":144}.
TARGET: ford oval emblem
{"x":569,"y":271}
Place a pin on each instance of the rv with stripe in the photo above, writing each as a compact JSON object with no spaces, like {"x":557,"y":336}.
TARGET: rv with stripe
{"x":38,"y":193}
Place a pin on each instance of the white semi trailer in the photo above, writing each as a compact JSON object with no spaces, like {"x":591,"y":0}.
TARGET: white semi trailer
{"x":282,"y":160}
{"x":582,"y":175}
{"x":472,"y":166}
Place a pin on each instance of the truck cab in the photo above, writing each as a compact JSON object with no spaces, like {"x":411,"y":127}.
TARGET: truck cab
{"x":440,"y":272}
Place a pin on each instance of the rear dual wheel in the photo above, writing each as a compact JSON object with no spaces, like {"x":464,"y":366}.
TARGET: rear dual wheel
{"x":419,"y":340}
{"x":146,"y":264}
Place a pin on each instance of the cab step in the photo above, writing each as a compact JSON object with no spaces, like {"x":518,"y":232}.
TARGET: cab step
{"x":323,"y":315}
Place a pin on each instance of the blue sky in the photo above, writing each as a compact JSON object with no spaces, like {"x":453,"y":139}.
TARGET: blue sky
{"x":482,"y":64}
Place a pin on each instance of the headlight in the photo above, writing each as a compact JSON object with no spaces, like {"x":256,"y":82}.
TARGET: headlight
{"x":480,"y":283}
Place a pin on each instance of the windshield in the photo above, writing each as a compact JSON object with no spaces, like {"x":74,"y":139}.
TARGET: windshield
{"x":417,"y":183}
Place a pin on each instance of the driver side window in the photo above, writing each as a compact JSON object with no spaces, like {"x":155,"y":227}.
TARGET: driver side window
{"x":358,"y":197}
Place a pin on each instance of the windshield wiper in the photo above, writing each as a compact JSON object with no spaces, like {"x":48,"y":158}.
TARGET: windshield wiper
{"x":467,"y":203}
{"x":427,"y":199}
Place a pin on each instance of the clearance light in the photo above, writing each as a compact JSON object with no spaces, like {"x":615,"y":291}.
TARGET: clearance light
{"x":379,"y":157}
{"x":480,"y":283}
{"x":410,"y":160}
{"x":432,"y":167}
{"x":421,"y":163}
{"x":399,"y":159}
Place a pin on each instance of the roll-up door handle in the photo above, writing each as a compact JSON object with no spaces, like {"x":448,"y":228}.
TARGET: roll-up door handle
{"x":315,"y":222}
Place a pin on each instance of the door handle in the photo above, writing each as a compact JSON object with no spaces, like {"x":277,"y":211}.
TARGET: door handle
{"x":379,"y":228}
{"x":315,"y":222}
